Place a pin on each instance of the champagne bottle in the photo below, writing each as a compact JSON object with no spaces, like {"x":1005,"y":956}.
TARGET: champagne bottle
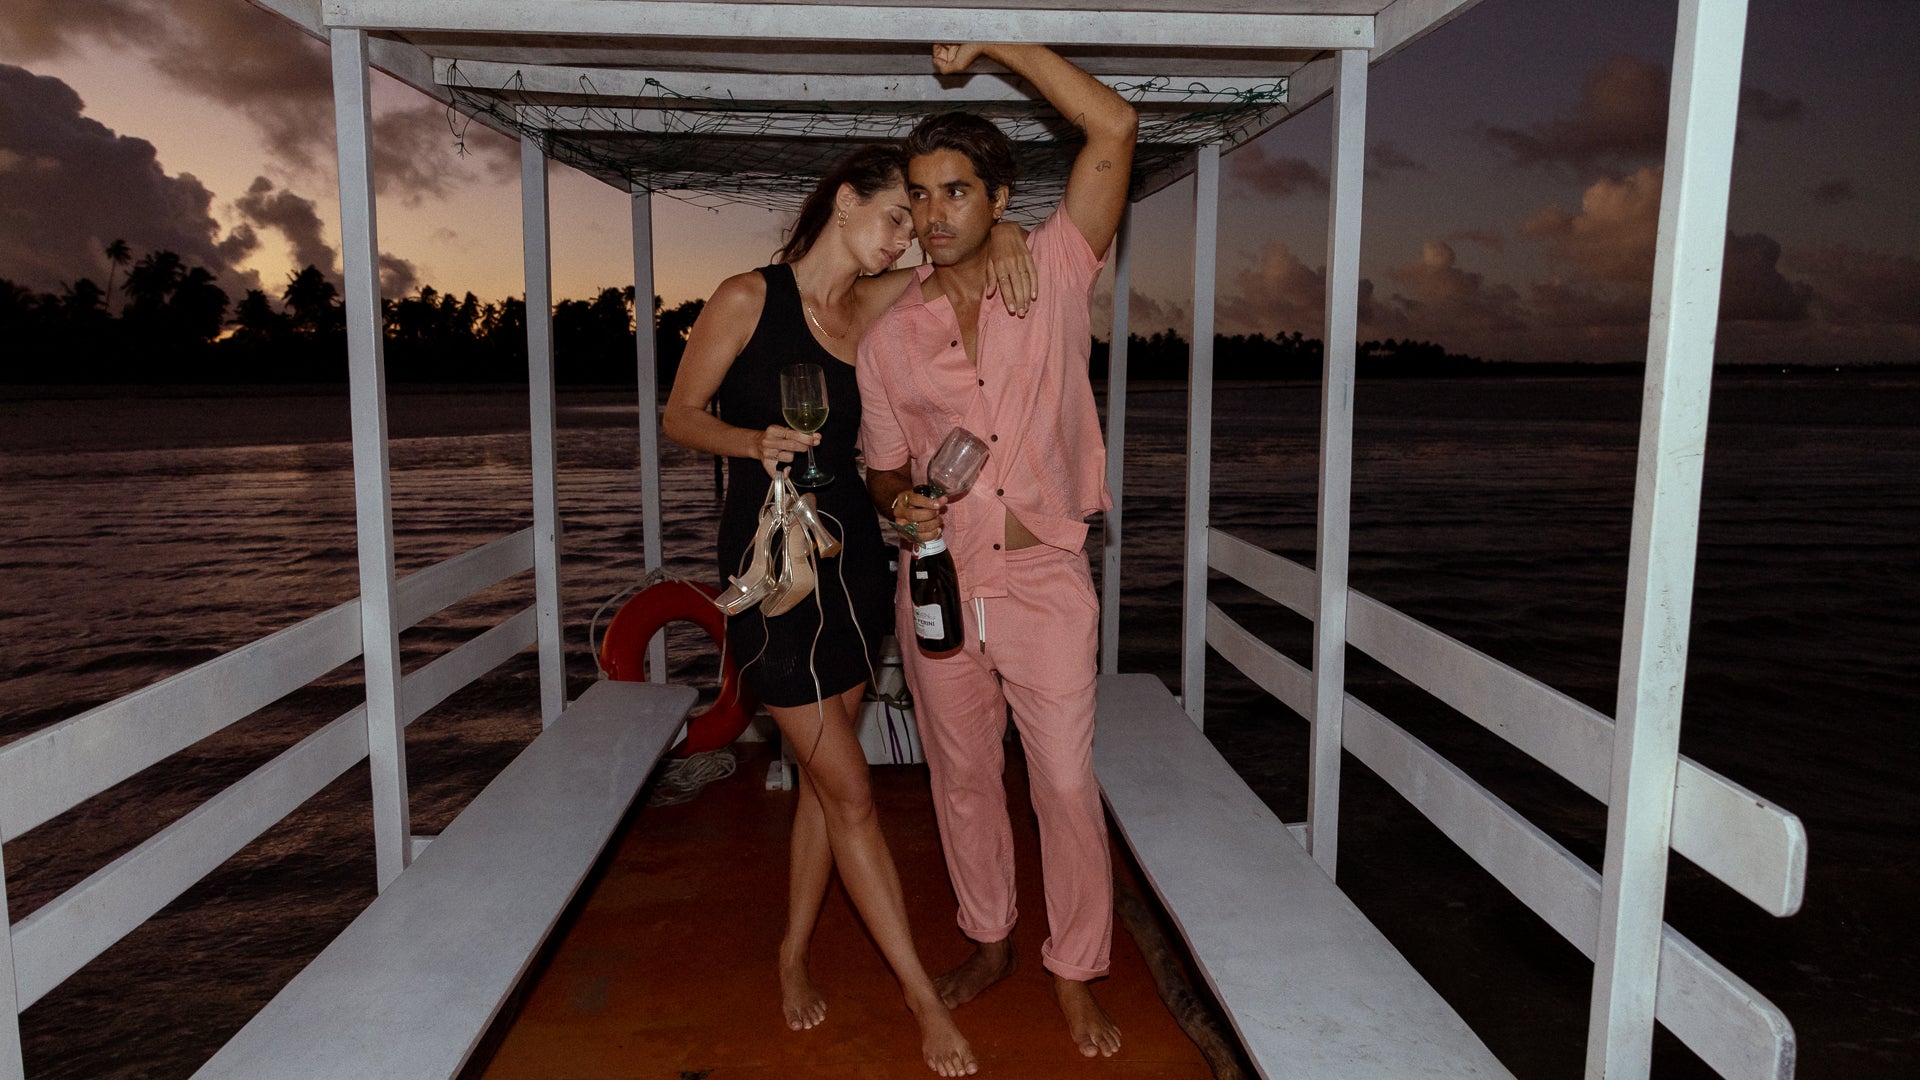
{"x":934,"y":586}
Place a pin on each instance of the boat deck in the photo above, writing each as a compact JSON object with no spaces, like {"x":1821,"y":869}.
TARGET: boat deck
{"x":667,"y":968}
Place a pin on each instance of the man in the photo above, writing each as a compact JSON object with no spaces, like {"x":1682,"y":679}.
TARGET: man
{"x":938,"y":359}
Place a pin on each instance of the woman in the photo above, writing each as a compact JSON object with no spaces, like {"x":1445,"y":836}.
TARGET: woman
{"x":810,"y":665}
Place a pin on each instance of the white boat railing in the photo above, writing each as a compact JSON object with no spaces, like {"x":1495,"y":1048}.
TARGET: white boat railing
{"x":1755,"y":848}
{"x":56,"y":769}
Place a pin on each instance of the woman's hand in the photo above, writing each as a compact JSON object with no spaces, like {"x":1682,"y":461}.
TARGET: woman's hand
{"x":777,"y":446}
{"x":917,"y":517}
{"x":1010,"y":271}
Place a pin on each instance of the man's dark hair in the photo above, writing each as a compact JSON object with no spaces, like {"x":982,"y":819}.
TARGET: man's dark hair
{"x":985,"y":145}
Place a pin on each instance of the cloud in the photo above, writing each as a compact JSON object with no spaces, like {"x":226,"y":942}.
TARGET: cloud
{"x":69,"y":185}
{"x":398,"y":277}
{"x":45,"y":29}
{"x":1275,"y":176}
{"x":1758,"y":104}
{"x":1854,"y":287}
{"x":1832,"y":192}
{"x":1621,"y":114}
{"x":1145,"y":314}
{"x":1612,"y":237}
{"x":1437,"y":298}
{"x":1279,"y":293}
{"x":1485,"y":238}
{"x":1562,"y":304}
{"x":279,"y":78}
{"x":296,"y":219}
{"x":1752,"y":287}
{"x":1621,"y":119}
{"x":1383,"y":158}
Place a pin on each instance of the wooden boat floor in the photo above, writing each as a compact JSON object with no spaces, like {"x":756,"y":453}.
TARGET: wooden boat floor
{"x":668,"y":967}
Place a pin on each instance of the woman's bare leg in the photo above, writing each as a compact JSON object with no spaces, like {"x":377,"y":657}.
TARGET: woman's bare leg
{"x":810,"y":868}
{"x":836,"y":773}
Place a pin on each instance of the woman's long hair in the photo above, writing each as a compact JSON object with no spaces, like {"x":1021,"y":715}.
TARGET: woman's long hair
{"x":868,"y":170}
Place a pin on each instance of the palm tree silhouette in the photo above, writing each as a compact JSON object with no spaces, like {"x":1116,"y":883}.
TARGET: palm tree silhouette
{"x":309,"y":298}
{"x":118,"y":255}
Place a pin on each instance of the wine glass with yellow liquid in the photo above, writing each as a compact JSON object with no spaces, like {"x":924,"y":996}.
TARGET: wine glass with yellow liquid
{"x":803,"y":402}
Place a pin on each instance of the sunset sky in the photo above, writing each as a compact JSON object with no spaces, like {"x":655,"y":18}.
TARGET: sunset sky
{"x":1510,"y":209}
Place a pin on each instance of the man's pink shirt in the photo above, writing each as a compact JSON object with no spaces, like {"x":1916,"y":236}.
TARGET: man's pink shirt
{"x":1029,"y":398}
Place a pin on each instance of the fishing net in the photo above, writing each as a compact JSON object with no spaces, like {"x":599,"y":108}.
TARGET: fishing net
{"x":711,"y":151}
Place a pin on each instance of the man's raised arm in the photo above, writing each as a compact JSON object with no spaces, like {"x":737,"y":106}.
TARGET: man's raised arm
{"x":1097,"y":186}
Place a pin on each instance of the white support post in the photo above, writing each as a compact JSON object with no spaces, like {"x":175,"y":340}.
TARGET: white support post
{"x":372,"y":481}
{"x":1116,"y":447}
{"x":1193,"y":593}
{"x":1336,"y":457}
{"x":12,"y":1064}
{"x":1666,"y":516}
{"x":648,"y":363}
{"x":537,"y":241}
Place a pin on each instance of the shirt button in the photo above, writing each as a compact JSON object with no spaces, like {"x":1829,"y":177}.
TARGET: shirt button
{"x":996,"y":547}
{"x":999,"y":491}
{"x":983,"y":382}
{"x":993,"y":438}
{"x":953,"y":344}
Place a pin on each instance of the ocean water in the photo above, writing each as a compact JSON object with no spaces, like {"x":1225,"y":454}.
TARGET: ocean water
{"x":142,"y":535}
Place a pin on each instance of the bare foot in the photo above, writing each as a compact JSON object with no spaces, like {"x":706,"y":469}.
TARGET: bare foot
{"x":799,"y":999}
{"x":991,"y":961}
{"x":941,"y":1043}
{"x":1093,"y":1033}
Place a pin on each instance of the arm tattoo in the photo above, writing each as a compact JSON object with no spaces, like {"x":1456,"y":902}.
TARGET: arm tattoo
{"x":1103,"y":166}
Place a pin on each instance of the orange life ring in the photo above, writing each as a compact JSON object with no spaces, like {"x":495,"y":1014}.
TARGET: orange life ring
{"x":624,"y":649}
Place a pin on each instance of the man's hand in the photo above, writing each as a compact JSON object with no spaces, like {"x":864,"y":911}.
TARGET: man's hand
{"x":953,"y":59}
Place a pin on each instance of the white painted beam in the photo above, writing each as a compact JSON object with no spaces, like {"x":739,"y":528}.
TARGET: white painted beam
{"x":372,"y":481}
{"x":666,"y":88}
{"x":1193,"y":588}
{"x":538,"y":244}
{"x":849,"y":22}
{"x":12,"y":1064}
{"x":1751,"y":845}
{"x":1404,"y":22}
{"x":1336,"y":457}
{"x":647,"y":366}
{"x":1702,"y":109}
{"x":1116,"y":447}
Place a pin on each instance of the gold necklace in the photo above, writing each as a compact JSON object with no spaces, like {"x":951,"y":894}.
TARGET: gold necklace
{"x":815,"y":319}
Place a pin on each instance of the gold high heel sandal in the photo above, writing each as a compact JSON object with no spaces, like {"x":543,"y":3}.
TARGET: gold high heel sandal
{"x":796,"y":572}
{"x":749,"y":588}
{"x":825,"y":544}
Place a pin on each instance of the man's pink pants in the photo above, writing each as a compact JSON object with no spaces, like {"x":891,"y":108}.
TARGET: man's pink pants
{"x":1039,"y":658}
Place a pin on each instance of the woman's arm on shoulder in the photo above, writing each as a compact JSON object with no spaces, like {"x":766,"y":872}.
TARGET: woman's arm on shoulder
{"x":723,"y":329}
{"x":1010,"y":269}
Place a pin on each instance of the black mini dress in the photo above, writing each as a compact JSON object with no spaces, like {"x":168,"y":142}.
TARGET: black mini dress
{"x":793,"y":659}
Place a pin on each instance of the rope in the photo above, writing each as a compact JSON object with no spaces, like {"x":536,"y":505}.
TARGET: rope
{"x":680,"y":779}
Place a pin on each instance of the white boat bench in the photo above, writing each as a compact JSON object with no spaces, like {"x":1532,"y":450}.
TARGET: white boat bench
{"x":1312,"y":988}
{"x":409,"y":988}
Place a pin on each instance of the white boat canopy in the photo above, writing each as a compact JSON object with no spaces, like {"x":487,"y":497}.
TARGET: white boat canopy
{"x":731,"y":100}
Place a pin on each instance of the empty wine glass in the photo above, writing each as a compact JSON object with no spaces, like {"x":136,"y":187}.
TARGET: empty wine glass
{"x":803,"y":402}
{"x":956,"y":463}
